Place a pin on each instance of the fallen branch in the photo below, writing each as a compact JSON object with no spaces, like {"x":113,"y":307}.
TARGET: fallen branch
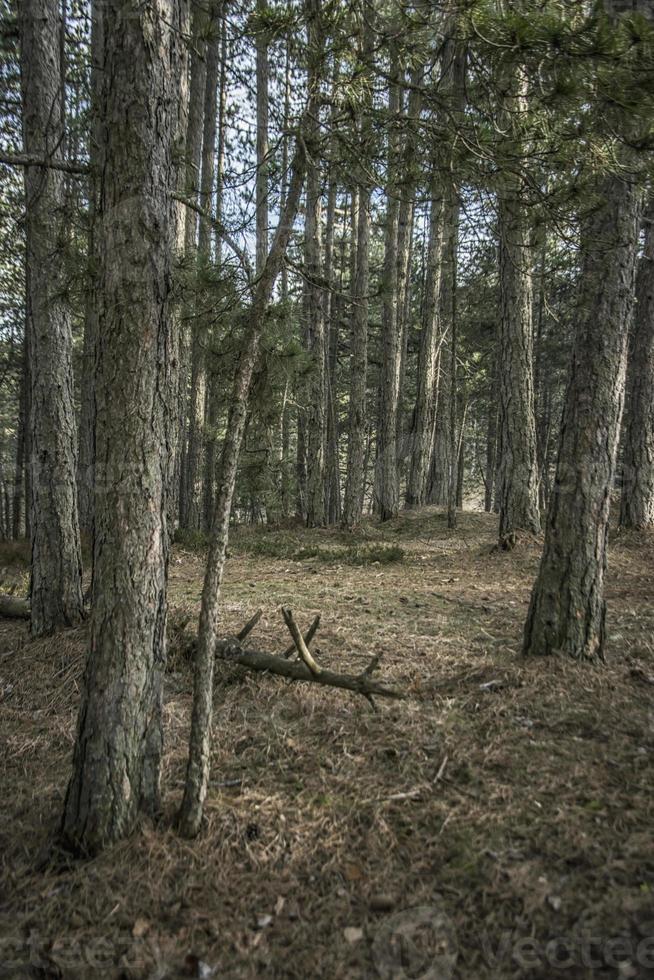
{"x":306,"y":669}
{"x":13,"y":608}
{"x":298,"y":671}
{"x":298,"y":640}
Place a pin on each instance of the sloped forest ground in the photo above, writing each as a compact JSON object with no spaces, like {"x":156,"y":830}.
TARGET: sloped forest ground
{"x":496,"y":823}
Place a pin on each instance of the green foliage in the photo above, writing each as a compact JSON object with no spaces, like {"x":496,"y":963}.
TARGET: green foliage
{"x":289,"y":547}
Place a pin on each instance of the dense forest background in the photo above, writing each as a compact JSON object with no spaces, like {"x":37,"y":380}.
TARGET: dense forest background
{"x":326,"y":376}
{"x":311,"y":264}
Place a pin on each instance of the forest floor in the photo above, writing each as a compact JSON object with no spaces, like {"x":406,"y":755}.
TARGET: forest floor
{"x":501,"y":815}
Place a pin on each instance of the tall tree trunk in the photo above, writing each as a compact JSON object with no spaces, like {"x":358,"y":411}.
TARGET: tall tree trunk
{"x":491,"y":440}
{"x":212,"y":394}
{"x":637,"y":503}
{"x":518,"y":487}
{"x":86,"y":441}
{"x":405,"y":222}
{"x":313,"y":302}
{"x":262,"y":138}
{"x":192,"y":445}
{"x":443,"y":470}
{"x":567,"y":608}
{"x":332,"y":301}
{"x":56,"y":585}
{"x":357,"y":420}
{"x":117,"y":755}
{"x":422,"y":428}
{"x":197,"y":774}
{"x":21,"y":445}
{"x":386,"y":475}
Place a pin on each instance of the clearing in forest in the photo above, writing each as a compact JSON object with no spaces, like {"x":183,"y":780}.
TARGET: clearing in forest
{"x":510,"y":799}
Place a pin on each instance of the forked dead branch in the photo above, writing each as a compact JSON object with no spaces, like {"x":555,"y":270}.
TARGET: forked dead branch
{"x":305,"y":668}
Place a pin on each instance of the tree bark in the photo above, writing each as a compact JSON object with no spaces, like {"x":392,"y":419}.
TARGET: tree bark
{"x":192,"y":447}
{"x":313,"y":302}
{"x":637,"y":502}
{"x":117,"y":755}
{"x":357,"y":412}
{"x":56,"y":582}
{"x":422,"y":429}
{"x":386,"y":475}
{"x":19,"y":495}
{"x":567,"y":610}
{"x":86,"y":440}
{"x":518,"y":465}
{"x":212,"y":394}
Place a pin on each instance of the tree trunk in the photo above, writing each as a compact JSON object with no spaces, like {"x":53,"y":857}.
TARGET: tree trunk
{"x":332,"y":318}
{"x":21,"y":445}
{"x":119,"y":743}
{"x":491,"y":440}
{"x":313,"y":302}
{"x":191,"y":450}
{"x":637,"y":504}
{"x":197,"y":774}
{"x":357,"y":421}
{"x":86,"y":452}
{"x":567,"y":604}
{"x":212,"y":394}
{"x":405,"y":220}
{"x":56,"y":585}
{"x":422,"y":429}
{"x":518,"y":476}
{"x":386,"y":476}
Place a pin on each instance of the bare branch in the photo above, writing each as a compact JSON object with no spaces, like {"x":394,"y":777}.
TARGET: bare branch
{"x":308,"y":636}
{"x":27,"y":160}
{"x":298,"y":640}
{"x":298,"y":671}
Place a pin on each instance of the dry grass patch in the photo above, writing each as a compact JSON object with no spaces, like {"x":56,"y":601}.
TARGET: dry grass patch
{"x":515,"y":796}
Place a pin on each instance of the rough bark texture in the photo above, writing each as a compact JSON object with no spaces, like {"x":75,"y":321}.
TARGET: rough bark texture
{"x":357,"y":425}
{"x":386,"y":475}
{"x":567,"y":605}
{"x":212,"y":394}
{"x":262,"y":139}
{"x":313,"y":301}
{"x":86,"y":452}
{"x":637,"y":504}
{"x":119,"y":742}
{"x":197,"y":773}
{"x":405,"y":222}
{"x":191,"y":452}
{"x":332,"y":490}
{"x":422,"y":429}
{"x":19,"y":495}
{"x":518,"y":464}
{"x":56,"y":586}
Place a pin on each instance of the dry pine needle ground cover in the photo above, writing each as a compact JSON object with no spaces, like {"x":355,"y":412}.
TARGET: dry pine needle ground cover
{"x":510,"y":800}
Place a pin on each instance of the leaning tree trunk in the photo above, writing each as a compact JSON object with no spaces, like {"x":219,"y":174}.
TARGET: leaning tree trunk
{"x":518,"y":463}
{"x":567,"y":604}
{"x":637,"y":504}
{"x":56,"y":586}
{"x":197,"y":773}
{"x":119,"y":741}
